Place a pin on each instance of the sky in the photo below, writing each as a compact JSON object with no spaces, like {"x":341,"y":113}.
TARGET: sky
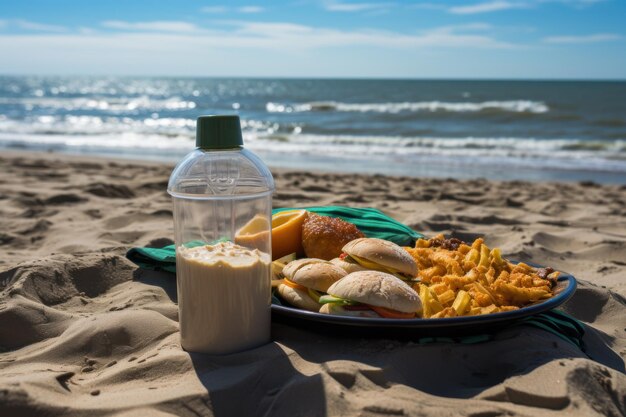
{"x":480,"y":39}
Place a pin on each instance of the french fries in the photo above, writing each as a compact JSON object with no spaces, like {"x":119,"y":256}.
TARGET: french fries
{"x":461,"y":302}
{"x":457,"y":279}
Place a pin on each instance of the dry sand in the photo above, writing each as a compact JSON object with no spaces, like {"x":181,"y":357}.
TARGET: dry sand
{"x":83,"y":332}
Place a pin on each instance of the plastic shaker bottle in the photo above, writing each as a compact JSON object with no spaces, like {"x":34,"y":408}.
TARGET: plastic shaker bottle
{"x":222,"y":197}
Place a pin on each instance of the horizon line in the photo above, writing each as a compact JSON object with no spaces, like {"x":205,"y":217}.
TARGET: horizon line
{"x":329,"y":78}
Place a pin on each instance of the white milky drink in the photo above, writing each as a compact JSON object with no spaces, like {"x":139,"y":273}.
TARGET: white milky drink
{"x":224,"y":297}
{"x":222,"y":192}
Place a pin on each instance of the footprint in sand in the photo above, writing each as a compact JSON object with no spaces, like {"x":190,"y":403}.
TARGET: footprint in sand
{"x":110,"y":190}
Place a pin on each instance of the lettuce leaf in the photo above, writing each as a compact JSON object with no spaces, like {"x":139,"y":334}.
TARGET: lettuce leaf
{"x":326,"y":299}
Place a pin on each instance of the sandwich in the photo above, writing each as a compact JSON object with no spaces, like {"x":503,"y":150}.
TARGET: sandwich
{"x":371,"y":294}
{"x":380,"y":255}
{"x":306,"y":280}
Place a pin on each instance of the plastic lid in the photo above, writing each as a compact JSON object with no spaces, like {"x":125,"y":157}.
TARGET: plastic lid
{"x":218,"y":132}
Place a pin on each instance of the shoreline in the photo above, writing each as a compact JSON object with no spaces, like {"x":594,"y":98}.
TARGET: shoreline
{"x":429,"y":168}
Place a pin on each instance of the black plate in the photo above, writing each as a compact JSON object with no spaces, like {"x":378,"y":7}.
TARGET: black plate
{"x":451,"y":326}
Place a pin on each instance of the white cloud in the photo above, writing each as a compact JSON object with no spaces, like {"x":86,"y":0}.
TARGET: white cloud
{"x":267,"y":29}
{"x":487,"y":7}
{"x":39,"y":27}
{"x":578,"y":39}
{"x":86,"y":31}
{"x":250,"y":9}
{"x":154,"y":26}
{"x":214,"y":9}
{"x":240,"y":48}
{"x":274,"y":36}
{"x":229,"y":48}
{"x":334,"y":6}
{"x":499,"y":5}
{"x":288,"y":35}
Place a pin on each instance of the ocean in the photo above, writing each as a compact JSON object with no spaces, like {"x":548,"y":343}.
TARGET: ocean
{"x":526,"y":130}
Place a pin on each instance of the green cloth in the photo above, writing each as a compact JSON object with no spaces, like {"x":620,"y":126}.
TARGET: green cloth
{"x":163,"y":259}
{"x":556,"y":322}
{"x":374,"y":223}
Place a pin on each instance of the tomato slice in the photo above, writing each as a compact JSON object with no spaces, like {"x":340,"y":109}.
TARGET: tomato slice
{"x":392,"y":314}
{"x":294,"y":285}
{"x":343,"y":256}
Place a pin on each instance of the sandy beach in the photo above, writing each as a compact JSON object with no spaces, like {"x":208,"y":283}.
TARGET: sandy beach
{"x":84,"y":332}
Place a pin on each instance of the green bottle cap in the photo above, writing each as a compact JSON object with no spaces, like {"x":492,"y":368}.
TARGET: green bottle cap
{"x":218,"y":132}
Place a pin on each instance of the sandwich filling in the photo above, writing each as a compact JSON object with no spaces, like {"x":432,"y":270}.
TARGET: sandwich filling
{"x":315,"y":295}
{"x":376,"y":267}
{"x":353,"y":305}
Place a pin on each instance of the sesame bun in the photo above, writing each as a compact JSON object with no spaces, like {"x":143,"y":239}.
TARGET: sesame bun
{"x":313,"y":273}
{"x":298,"y":298}
{"x":377,"y":289}
{"x":382,"y":252}
{"x":349,"y":267}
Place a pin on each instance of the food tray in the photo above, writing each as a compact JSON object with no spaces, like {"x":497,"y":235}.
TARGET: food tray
{"x":417,"y":328}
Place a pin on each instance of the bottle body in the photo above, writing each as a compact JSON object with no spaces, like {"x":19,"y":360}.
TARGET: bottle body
{"x":222,"y":221}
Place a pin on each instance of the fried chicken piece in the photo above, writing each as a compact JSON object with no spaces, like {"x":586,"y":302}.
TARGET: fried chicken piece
{"x":323,"y":237}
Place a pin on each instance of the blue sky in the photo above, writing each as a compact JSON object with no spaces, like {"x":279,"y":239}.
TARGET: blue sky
{"x":402,"y":39}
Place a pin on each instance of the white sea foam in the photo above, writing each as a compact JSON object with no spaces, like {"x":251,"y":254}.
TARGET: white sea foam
{"x":279,"y":138}
{"x":104,"y":104}
{"x":515,"y":106}
{"x":108,"y":125}
{"x":173,"y":138}
{"x":565,"y":153}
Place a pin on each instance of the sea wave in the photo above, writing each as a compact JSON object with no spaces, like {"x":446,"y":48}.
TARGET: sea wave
{"x":276,"y":135}
{"x":566,"y":154}
{"x":515,"y":106}
{"x":570,"y":154}
{"x":73,"y":125}
{"x":404,"y":144}
{"x":104,"y":104}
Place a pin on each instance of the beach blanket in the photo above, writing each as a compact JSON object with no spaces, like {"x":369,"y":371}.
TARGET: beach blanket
{"x":375,"y":224}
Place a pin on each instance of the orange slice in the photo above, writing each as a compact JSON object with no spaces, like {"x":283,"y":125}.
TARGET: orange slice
{"x":254,"y":234}
{"x":287,"y":233}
